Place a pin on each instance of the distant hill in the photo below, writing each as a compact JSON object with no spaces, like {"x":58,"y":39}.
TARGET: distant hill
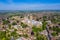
{"x":4,"y":12}
{"x":29,"y":11}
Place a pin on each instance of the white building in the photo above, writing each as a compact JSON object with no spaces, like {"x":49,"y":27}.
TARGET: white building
{"x":32,"y":22}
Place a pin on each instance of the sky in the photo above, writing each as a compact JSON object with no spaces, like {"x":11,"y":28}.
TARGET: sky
{"x":29,"y":4}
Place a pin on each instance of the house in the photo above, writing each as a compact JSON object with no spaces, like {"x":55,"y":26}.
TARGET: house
{"x":21,"y":38}
{"x":44,"y":32}
{"x":16,"y":26}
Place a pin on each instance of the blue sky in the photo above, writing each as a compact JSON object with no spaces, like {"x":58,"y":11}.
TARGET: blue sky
{"x":29,"y":4}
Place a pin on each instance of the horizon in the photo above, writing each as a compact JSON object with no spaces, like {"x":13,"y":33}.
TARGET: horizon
{"x":29,"y":4}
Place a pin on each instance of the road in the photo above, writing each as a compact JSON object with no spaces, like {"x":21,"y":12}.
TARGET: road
{"x":49,"y":35}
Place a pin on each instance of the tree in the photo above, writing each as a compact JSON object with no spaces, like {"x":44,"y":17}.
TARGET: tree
{"x":44,"y":18}
{"x":9,"y":26}
{"x":23,"y":25}
{"x":25,"y":35}
{"x":54,"y":34}
{"x":57,"y":29}
{"x":6,"y":21}
{"x":41,"y":37}
{"x":44,"y":25}
{"x":14,"y":23}
{"x":35,"y":29}
{"x":2,"y":35}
